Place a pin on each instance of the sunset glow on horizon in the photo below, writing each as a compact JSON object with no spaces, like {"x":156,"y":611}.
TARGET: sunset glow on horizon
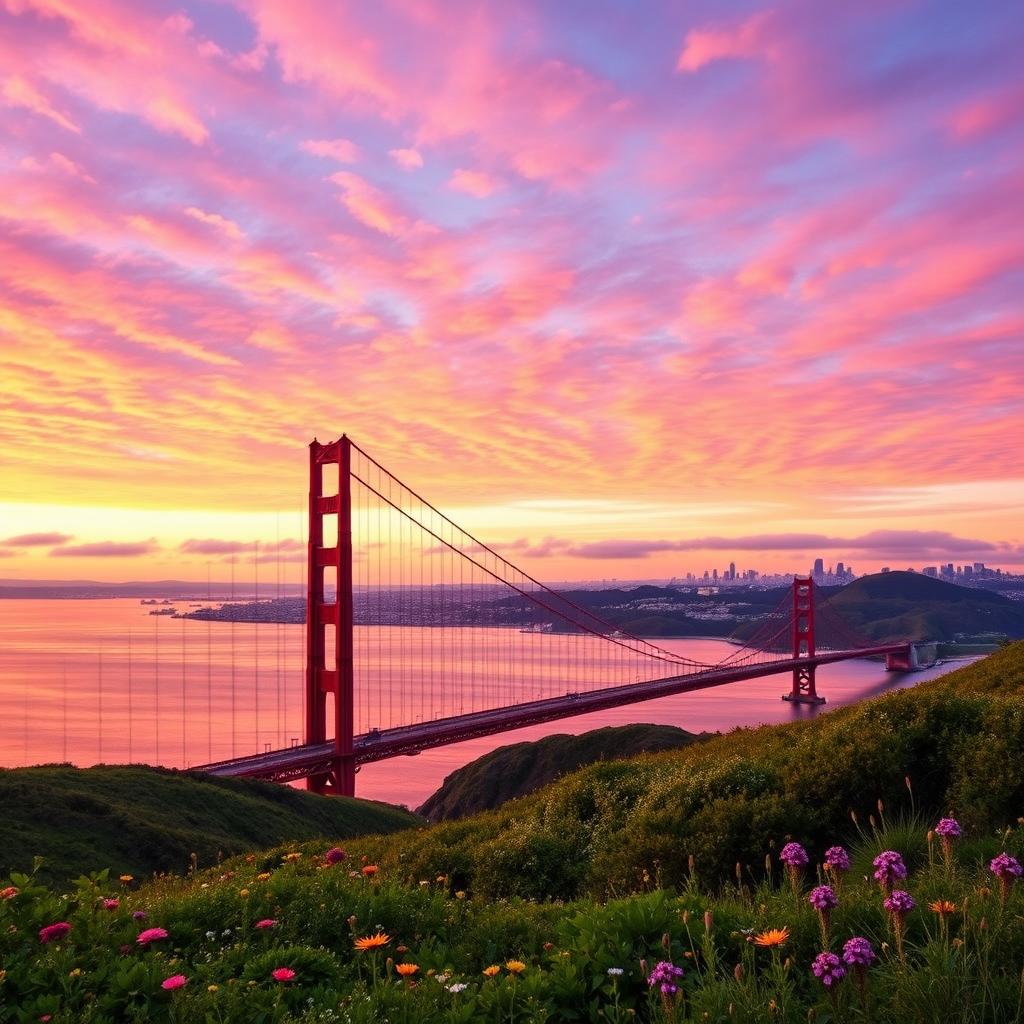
{"x":629,"y":289}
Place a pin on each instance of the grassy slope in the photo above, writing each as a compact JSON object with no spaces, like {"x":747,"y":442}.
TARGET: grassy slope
{"x":960,"y":739}
{"x":141,"y":820}
{"x":521,"y":768}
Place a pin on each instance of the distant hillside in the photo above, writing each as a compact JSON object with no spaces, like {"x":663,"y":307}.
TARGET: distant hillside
{"x":522,"y":768}
{"x":144,"y":820}
{"x":895,"y":605}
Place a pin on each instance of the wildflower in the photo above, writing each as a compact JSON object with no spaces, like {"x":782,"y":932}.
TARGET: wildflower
{"x":401,"y":949}
{"x":369,"y":870}
{"x":291,"y":858}
{"x":615,"y":972}
{"x":282,"y":974}
{"x":899,"y":902}
{"x":213,"y":988}
{"x":793,"y":855}
{"x":828,"y":969}
{"x":151,"y":935}
{"x":211,"y":935}
{"x":335,"y":855}
{"x":54,"y":932}
{"x":837,"y":859}
{"x":126,"y":879}
{"x":515,"y":966}
{"x":267,"y":922}
{"x":857,"y":952}
{"x":1007,"y":869}
{"x":665,"y":976}
{"x":263,"y":876}
{"x":772,"y":937}
{"x":460,"y":894}
{"x":173,"y":982}
{"x":111,"y":904}
{"x":942,"y":907}
{"x":491,"y":971}
{"x":76,"y":973}
{"x":406,"y":970}
{"x":243,"y":892}
{"x":823,"y":897}
{"x":374,"y":941}
{"x":948,"y":828}
{"x":889,"y":866}
{"x":458,"y":986}
{"x":225,"y":933}
{"x":9,"y":893}
{"x":138,"y":915}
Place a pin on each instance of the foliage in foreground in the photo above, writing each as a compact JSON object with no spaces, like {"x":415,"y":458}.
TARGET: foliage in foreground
{"x":276,"y":938}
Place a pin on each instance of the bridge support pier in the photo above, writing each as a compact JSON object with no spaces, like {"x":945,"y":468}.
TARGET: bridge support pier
{"x":330,"y":667}
{"x":803,"y":691}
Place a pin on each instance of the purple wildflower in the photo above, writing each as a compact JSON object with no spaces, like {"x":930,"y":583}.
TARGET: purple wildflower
{"x":858,"y":952}
{"x":335,"y":855}
{"x":948,"y":828}
{"x":793,"y":855}
{"x":823,"y":897}
{"x":828,"y":968}
{"x":899,"y":903}
{"x":1005,"y":867}
{"x":665,"y":975}
{"x":888,"y":867}
{"x":138,"y":915}
{"x":837,"y":859}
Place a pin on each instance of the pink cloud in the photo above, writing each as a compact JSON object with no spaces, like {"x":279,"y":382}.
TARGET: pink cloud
{"x":18,"y":92}
{"x":215,"y":220}
{"x":747,"y":38}
{"x":342,"y":150}
{"x":369,"y":205}
{"x":473,"y":183}
{"x":408,"y":159}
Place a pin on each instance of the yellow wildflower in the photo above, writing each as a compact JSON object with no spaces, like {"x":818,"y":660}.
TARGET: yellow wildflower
{"x":515,"y":966}
{"x":492,"y":970}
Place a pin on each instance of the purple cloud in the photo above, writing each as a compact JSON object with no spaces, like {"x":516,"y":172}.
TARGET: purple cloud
{"x":37,"y":540}
{"x":108,"y":549}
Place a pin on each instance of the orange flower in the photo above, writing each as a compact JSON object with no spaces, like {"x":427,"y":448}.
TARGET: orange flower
{"x":492,"y":970}
{"x":406,"y":970}
{"x":263,"y":876}
{"x":291,"y":858}
{"x":515,"y":966}
{"x":772,"y":937}
{"x":369,"y":870}
{"x":372,"y":941}
{"x":942,"y":907}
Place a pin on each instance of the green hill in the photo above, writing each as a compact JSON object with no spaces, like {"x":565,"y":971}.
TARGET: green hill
{"x":898,"y":605}
{"x":521,"y":768}
{"x":143,"y":820}
{"x":602,"y":829}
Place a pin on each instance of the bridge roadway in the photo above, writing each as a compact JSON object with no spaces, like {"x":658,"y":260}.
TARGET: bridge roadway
{"x":377,"y":745}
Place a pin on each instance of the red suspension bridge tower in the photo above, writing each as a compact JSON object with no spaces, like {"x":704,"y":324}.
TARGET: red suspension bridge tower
{"x":330,"y":658}
{"x":803,"y":691}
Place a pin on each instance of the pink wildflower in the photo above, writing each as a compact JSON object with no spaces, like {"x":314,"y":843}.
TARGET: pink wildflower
{"x":282,"y":974}
{"x":111,"y":904}
{"x":174,"y":981}
{"x":335,"y":855}
{"x":267,"y":922}
{"x":151,"y":935}
{"x":54,"y":932}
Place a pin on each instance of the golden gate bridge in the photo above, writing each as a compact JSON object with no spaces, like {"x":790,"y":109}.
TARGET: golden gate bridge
{"x":397,"y":598}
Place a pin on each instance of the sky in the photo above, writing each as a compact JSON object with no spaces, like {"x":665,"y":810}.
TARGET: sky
{"x":634,"y":289}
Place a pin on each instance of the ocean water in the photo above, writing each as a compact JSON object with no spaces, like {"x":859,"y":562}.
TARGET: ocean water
{"x":103,"y":681}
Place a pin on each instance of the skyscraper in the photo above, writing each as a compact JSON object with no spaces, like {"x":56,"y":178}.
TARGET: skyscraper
{"x":819,"y":570}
